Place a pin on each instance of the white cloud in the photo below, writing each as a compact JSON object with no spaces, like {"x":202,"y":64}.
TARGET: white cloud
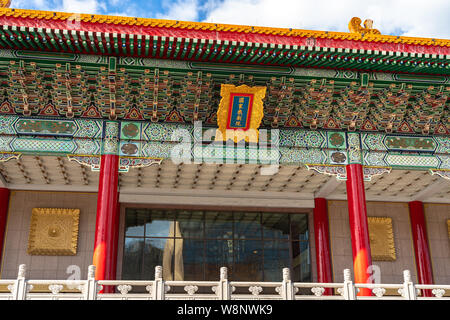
{"x":416,"y":18}
{"x":185,"y":10}
{"x":77,"y":6}
{"x":83,"y":6}
{"x":29,"y":3}
{"x":39,"y":2}
{"x":409,"y":17}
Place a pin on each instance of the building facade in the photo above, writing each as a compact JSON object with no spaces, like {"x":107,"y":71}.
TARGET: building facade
{"x":132,"y":143}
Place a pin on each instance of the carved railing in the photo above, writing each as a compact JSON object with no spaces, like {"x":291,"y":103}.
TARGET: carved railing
{"x":159,"y":289}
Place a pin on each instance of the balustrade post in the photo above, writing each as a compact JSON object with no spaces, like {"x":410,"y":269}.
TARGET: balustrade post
{"x":287,"y":287}
{"x":159,"y":287}
{"x":223,"y":290}
{"x":349,"y":292}
{"x":19,"y":290}
{"x":90,"y":291}
{"x":408,"y":291}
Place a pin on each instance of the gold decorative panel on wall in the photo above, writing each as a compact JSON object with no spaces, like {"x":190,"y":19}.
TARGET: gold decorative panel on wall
{"x":381,"y":237}
{"x":53,"y":232}
{"x":448,"y":228}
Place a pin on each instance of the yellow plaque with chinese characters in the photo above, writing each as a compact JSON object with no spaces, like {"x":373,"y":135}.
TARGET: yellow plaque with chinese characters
{"x":381,"y":237}
{"x":240,"y":113}
{"x":53,"y":231}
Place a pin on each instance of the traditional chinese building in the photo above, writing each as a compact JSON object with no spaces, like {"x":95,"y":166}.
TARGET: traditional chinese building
{"x":130,"y":143}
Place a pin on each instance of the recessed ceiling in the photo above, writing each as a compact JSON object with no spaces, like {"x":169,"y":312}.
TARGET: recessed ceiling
{"x":58,"y":173}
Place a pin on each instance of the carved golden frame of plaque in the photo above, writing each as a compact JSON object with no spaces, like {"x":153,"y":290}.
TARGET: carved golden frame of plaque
{"x":53,"y":232}
{"x":254,"y":113}
{"x":381,"y":237}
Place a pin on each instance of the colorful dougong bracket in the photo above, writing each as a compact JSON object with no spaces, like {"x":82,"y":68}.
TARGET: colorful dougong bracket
{"x":332,"y":170}
{"x":441,"y":172}
{"x":91,"y":161}
{"x":341,"y":172}
{"x":6,"y":156}
{"x":132,"y":162}
{"x":125,"y":163}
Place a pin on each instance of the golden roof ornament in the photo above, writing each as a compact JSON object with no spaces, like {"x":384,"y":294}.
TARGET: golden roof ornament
{"x":5,"y":3}
{"x":354,"y":26}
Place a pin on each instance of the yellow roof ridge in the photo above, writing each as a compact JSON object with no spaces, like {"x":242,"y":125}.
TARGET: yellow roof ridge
{"x":131,"y":21}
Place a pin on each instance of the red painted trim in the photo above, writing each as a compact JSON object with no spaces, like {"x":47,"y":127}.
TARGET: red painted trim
{"x":222,"y":35}
{"x":106,"y":221}
{"x":322,"y":241}
{"x":421,"y":246}
{"x":359,"y":228}
{"x":4,"y":204}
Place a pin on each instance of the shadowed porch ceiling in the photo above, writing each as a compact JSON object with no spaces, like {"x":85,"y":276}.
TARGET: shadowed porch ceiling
{"x":220,"y":184}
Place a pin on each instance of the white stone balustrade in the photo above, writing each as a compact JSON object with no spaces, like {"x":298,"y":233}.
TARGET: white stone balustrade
{"x":223,"y":289}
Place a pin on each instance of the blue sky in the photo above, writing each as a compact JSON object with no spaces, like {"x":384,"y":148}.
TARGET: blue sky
{"x":135,"y":8}
{"x":417,"y":18}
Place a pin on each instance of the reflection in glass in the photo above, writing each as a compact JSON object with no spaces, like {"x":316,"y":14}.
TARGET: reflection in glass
{"x":173,"y":254}
{"x":219,"y":225}
{"x":276,"y":257}
{"x":218,"y":253}
{"x":158,"y":224}
{"x":134,"y":223}
{"x":305,"y":260}
{"x":299,"y":227}
{"x":156,"y":254}
{"x":275,"y":225}
{"x":190,"y":259}
{"x":300,"y":261}
{"x":247,"y":225}
{"x":247,"y":260}
{"x":191,"y":223}
{"x":132,"y":269}
{"x":193,"y":245}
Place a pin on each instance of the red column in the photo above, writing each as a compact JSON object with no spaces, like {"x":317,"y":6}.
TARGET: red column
{"x":359,"y":228}
{"x":4,"y":203}
{"x":421,"y":247}
{"x":106,"y":222}
{"x":111,"y":269}
{"x":322,"y":239}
